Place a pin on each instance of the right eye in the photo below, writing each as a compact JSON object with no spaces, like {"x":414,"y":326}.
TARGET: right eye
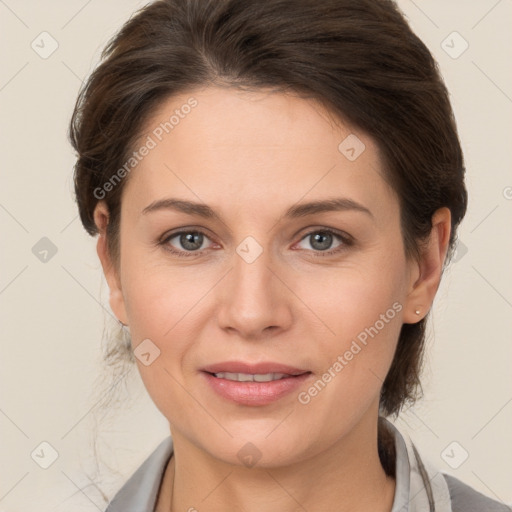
{"x":185,"y":243}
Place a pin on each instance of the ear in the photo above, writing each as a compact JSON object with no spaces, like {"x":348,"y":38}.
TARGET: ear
{"x":101,"y":219}
{"x":425,"y":274}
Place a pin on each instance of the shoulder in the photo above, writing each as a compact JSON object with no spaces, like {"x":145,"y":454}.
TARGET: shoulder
{"x":141,"y":489}
{"x":466,"y":499}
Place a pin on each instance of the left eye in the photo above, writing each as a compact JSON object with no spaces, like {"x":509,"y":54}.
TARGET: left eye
{"x":321,"y":240}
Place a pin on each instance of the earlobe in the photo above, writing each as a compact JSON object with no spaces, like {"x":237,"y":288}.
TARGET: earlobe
{"x":426,"y":279}
{"x":116,"y":299}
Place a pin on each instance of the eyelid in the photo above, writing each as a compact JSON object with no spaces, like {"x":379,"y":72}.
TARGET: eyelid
{"x":325,"y":229}
{"x":185,"y":229}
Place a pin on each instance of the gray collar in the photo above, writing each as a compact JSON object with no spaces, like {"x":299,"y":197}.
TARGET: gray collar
{"x":419,"y":487}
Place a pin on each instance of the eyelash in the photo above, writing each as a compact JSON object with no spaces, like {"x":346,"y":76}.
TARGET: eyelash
{"x":346,"y":240}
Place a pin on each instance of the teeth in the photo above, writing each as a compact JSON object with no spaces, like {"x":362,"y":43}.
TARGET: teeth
{"x":249,"y":377}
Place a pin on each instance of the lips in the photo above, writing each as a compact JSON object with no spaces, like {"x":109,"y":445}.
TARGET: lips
{"x":254,"y":384}
{"x":253,"y":368}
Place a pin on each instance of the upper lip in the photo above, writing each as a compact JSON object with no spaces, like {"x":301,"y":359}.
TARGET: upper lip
{"x":252,"y":368}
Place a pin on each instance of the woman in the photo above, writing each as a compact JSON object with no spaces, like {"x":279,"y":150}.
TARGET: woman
{"x":276,"y":185}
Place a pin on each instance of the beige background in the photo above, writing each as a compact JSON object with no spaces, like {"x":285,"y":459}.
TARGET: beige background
{"x":54,"y":312}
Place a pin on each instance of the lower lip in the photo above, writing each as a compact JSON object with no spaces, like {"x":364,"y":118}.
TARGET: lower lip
{"x":255,"y":393}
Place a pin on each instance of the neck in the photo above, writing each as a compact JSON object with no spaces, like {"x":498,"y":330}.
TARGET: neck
{"x":347,"y":477}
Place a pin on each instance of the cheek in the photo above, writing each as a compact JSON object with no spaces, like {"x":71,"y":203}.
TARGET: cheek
{"x":158,"y":299}
{"x":157,"y":293}
{"x":161,"y":305}
{"x":361,"y":314}
{"x":351,"y":298}
{"x":366,"y":322}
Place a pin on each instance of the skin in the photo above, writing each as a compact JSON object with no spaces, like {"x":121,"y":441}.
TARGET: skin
{"x":250,"y":156}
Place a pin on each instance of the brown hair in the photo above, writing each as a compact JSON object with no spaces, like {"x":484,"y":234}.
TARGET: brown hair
{"x":357,"y":57}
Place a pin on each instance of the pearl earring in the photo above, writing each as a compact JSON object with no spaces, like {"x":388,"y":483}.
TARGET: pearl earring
{"x":417,"y":311}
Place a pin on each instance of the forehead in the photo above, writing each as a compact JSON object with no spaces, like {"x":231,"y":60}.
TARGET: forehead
{"x":253,"y":149}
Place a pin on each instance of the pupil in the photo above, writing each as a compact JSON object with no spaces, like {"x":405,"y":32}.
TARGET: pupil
{"x":191,"y":241}
{"x":321,"y":241}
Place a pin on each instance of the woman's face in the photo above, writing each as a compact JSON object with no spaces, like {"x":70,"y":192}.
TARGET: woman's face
{"x":291,"y":254}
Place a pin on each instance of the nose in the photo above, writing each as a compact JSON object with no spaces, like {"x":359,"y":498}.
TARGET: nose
{"x":253,"y":300}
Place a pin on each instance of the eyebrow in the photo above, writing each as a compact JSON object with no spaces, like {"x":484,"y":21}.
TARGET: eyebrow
{"x":296,"y":211}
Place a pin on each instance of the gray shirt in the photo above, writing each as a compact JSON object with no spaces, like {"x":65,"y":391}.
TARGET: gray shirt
{"x":419,"y":486}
